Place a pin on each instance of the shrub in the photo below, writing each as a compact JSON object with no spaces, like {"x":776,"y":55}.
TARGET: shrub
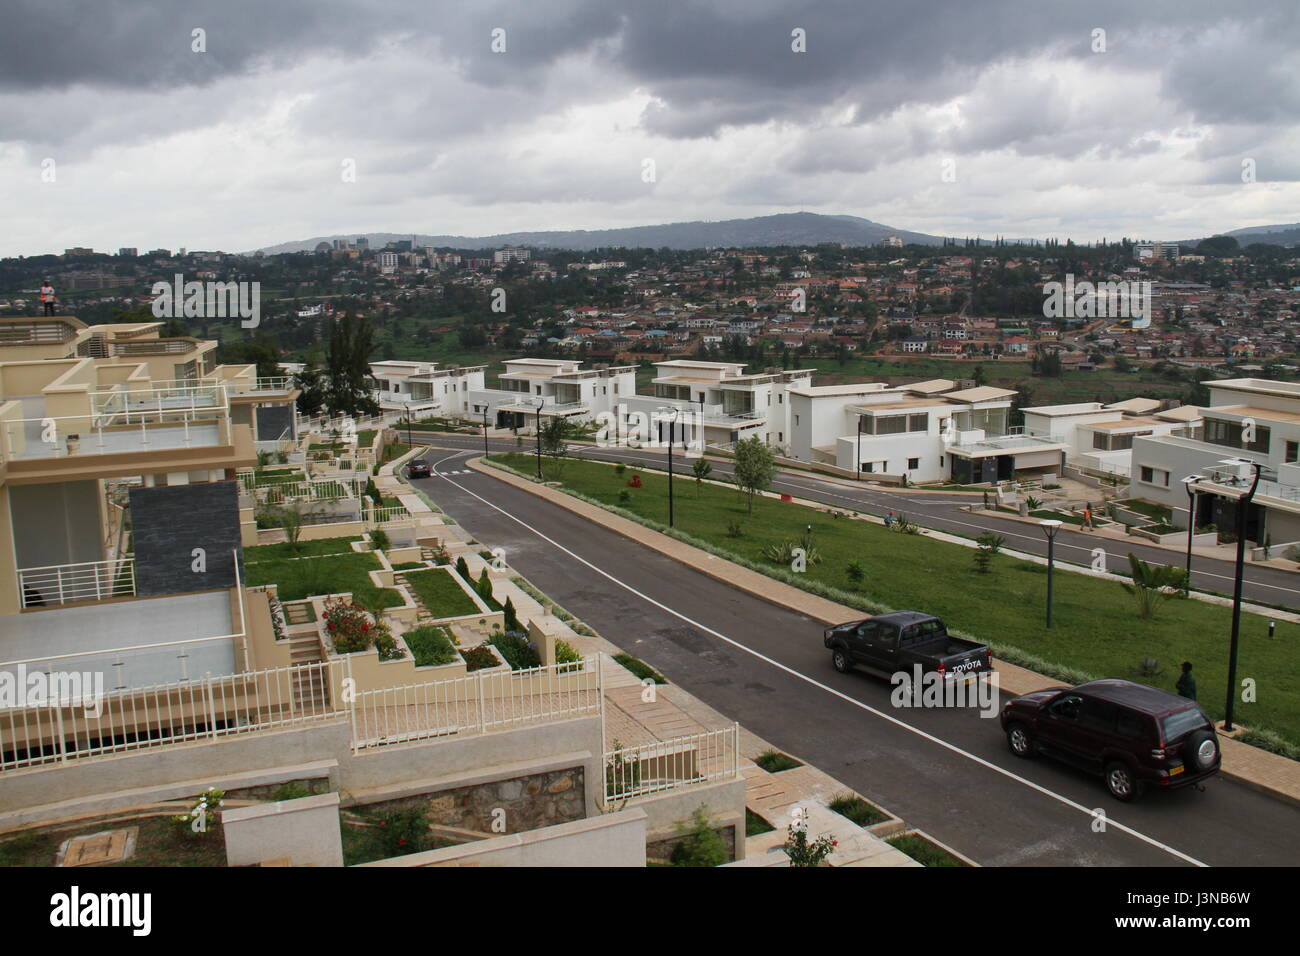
{"x":735,"y":529}
{"x":289,"y":791}
{"x":379,"y":540}
{"x":703,"y":845}
{"x":462,"y":568}
{"x":431,"y":646}
{"x":1148,"y":669}
{"x":477,"y":658}
{"x":854,"y":572}
{"x":856,"y":809}
{"x":988,"y":545}
{"x":512,"y":616}
{"x":640,"y":668}
{"x":619,"y":469}
{"x":403,"y":831}
{"x":566,"y":653}
{"x":387,"y":647}
{"x":484,"y":586}
{"x":1153,"y":584}
{"x":773,"y":761}
{"x":802,"y":852}
{"x":204,"y":817}
{"x":515,"y":647}
{"x":625,"y":497}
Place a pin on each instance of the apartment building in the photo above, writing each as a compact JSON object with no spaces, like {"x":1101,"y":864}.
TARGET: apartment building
{"x":1249,"y":421}
{"x":422,"y":388}
{"x":719,"y":402}
{"x":120,"y":548}
{"x":936,"y":430}
{"x":555,"y":387}
{"x":1099,"y":438}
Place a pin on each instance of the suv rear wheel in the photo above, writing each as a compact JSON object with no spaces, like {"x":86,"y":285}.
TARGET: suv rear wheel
{"x":840,"y":660}
{"x":1021,"y":742}
{"x":1122,"y":783}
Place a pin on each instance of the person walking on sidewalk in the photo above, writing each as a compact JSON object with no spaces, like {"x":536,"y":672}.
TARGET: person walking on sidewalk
{"x":1087,"y":518}
{"x":1186,"y":685}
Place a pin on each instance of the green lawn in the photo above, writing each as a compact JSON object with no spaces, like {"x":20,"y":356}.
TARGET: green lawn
{"x":440,"y":593}
{"x":923,"y":851}
{"x":1096,"y":630}
{"x":267,"y":552}
{"x":299,"y":578}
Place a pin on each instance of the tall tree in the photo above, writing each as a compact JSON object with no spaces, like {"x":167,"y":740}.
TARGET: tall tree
{"x":347,"y":365}
{"x":311,"y":382}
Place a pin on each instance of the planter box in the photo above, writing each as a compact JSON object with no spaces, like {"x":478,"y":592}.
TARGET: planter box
{"x":1172,"y":537}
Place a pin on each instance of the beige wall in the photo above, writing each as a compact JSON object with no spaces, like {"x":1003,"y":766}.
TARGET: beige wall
{"x":304,"y":831}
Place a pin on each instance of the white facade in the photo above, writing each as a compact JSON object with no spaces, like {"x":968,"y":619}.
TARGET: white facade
{"x":423,"y":388}
{"x":1100,"y":437}
{"x":559,"y":386}
{"x":1247,"y":421}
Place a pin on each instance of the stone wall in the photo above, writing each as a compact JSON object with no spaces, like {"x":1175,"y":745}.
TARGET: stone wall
{"x":169,"y":523}
{"x":529,"y":802}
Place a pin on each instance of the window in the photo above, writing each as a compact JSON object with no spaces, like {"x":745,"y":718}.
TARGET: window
{"x":796,"y":421}
{"x":913,"y":464}
{"x":1154,"y":476}
{"x":1132,"y":726}
{"x":780,"y":399}
{"x":1097,"y":715}
{"x":1228,"y":434}
{"x":1292,"y":451}
{"x":780,"y":437}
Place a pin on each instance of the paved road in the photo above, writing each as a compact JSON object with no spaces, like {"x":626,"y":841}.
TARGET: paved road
{"x":1267,"y":585}
{"x":946,"y":771}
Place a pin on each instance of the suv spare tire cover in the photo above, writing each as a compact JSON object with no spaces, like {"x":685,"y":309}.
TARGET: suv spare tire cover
{"x":1196,"y":753}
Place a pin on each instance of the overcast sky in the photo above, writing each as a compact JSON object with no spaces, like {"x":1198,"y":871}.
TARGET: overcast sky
{"x":152,"y":144}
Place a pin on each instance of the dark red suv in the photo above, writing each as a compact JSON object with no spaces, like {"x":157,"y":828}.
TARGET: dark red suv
{"x":1135,"y":736}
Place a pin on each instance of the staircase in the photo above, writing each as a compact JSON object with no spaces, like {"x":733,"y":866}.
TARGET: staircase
{"x":310,"y":687}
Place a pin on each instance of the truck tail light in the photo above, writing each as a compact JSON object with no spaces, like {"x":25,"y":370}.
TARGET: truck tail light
{"x":1158,"y":754}
{"x":941,"y":669}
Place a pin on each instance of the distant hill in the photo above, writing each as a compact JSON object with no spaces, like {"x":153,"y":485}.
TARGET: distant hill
{"x":784,"y":229}
{"x":1278,"y":235}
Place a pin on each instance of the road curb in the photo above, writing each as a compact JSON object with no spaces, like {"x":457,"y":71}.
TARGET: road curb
{"x":1012,"y":678}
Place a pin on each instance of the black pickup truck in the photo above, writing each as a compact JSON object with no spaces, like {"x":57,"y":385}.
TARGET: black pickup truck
{"x":900,"y":640}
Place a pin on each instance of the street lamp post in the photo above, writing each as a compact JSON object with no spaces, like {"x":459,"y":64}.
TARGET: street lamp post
{"x":1243,"y":506}
{"x":1050,"y":527}
{"x":859,"y":468}
{"x":672,"y":425}
{"x":485,"y":444}
{"x":1190,"y":484}
{"x":539,"y":403}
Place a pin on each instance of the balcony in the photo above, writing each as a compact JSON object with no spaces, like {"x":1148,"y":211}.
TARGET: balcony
{"x":74,"y":583}
{"x":181,"y":395}
{"x":27,"y":439}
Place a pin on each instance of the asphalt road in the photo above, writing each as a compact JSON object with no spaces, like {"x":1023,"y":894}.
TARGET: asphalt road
{"x":942,"y":513}
{"x":947,"y":771}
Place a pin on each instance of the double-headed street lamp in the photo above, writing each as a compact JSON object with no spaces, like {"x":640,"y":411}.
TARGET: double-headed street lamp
{"x":1050,"y":527}
{"x":485,"y":444}
{"x":1190,"y":484}
{"x":1243,"y":506}
{"x":672,"y":424}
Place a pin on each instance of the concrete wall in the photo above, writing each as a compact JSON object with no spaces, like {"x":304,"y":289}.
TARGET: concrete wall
{"x":305,"y":831}
{"x":614,"y":839}
{"x":724,"y":802}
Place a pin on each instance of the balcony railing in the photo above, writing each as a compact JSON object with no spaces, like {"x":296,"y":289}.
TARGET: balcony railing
{"x":69,"y":583}
{"x":184,"y":395}
{"x":112,"y":434}
{"x":274,"y":383}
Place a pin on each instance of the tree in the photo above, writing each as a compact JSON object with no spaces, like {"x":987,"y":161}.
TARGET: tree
{"x":988,"y":545}
{"x":556,"y":432}
{"x":702,"y":845}
{"x":701,"y":469}
{"x":755,"y":467}
{"x":311,"y":385}
{"x":347,"y":364}
{"x":259,"y":352}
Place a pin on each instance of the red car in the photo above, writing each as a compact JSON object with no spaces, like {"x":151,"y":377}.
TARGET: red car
{"x":1135,"y":736}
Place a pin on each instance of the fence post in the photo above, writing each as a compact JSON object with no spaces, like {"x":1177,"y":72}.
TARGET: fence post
{"x":482,"y":717}
{"x":735,"y":750}
{"x":58,"y":718}
{"x":212,"y":707}
{"x":349,"y":690}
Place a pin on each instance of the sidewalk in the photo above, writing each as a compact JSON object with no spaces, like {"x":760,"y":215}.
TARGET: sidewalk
{"x":1251,"y":766}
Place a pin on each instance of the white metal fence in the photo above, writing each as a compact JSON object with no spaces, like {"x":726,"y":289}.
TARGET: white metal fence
{"x":67,"y":728}
{"x":87,"y":581}
{"x":664,"y":765}
{"x":179,"y":712}
{"x":476,"y":703}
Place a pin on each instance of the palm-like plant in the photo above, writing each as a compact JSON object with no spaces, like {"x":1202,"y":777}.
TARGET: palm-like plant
{"x":1153,"y":583}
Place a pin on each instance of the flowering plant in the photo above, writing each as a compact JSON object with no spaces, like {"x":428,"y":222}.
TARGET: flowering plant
{"x":351,"y":628}
{"x":198,"y":818}
{"x":802,"y":852}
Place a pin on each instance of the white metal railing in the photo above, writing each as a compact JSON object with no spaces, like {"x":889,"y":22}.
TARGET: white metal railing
{"x":663,"y":765}
{"x":107,"y":434}
{"x":179,"y":395}
{"x":273,"y":383}
{"x":386,"y":515}
{"x":477,"y":703}
{"x":87,"y":581}
{"x":179,"y":712}
{"x":321,"y":489}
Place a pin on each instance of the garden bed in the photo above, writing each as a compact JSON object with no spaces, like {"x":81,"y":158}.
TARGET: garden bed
{"x":441,"y":593}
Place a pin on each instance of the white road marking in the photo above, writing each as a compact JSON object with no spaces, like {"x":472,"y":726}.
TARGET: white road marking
{"x":1087,"y":811}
